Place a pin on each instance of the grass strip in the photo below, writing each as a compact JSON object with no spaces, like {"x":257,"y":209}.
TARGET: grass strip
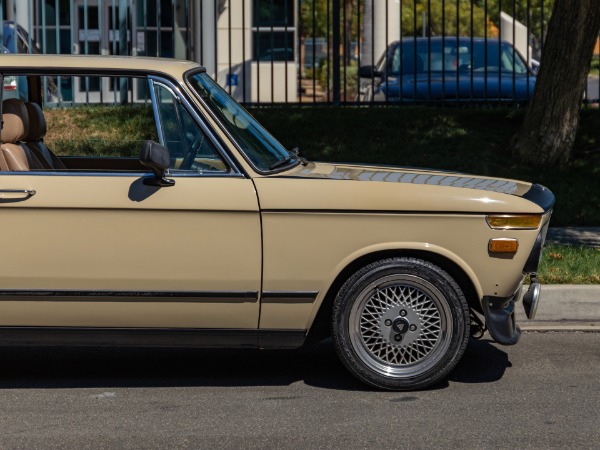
{"x":570,"y":264}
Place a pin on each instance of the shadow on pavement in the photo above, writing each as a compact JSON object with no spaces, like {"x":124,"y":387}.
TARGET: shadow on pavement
{"x":63,"y":367}
{"x":318,"y":366}
{"x":483,"y":362}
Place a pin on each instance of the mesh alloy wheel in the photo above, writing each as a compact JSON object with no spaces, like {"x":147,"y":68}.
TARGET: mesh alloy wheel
{"x":400,"y":323}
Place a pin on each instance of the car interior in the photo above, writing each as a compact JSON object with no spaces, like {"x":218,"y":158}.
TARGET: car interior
{"x":22,"y":136}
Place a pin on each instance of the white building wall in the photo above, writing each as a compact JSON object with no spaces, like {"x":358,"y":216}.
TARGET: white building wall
{"x":251,"y":80}
{"x":521,"y":35}
{"x":375,"y":39}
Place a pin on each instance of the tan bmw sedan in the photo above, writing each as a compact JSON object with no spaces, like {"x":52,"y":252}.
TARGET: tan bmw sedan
{"x":196,"y":227}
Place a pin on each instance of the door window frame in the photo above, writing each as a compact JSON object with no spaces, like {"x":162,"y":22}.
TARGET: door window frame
{"x":233,"y":169}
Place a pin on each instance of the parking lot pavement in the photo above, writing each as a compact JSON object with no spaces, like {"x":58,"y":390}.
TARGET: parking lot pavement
{"x":542,"y":393}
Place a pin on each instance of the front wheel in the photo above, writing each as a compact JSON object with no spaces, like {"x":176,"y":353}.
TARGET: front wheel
{"x":400,"y":324}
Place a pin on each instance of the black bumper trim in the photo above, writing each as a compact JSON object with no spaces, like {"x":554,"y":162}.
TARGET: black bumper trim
{"x":541,"y":196}
{"x":533,"y":261}
{"x":500,"y":318}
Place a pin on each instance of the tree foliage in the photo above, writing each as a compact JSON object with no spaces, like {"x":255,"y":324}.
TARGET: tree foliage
{"x":449,"y":18}
{"x":316,"y":17}
{"x":532,"y":13}
{"x":474,"y":16}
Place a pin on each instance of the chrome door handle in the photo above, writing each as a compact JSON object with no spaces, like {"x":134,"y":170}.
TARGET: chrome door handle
{"x":16,"y":194}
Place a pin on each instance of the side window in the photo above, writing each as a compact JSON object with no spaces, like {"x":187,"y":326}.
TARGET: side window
{"x":92,"y":123}
{"x":92,"y":118}
{"x":191,"y":150}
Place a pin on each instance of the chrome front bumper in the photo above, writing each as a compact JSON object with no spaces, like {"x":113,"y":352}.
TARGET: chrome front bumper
{"x":531,"y":298}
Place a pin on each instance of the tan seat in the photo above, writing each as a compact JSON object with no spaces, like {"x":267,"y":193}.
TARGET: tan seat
{"x":13,"y":155}
{"x":35,"y":136}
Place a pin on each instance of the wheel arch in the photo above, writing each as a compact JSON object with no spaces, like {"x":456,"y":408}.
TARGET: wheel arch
{"x":320,"y":327}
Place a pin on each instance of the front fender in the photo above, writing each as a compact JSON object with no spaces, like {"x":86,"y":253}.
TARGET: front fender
{"x":389,"y":248}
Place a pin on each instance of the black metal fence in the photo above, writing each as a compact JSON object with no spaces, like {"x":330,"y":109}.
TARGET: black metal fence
{"x":311,"y":51}
{"x":425,"y":51}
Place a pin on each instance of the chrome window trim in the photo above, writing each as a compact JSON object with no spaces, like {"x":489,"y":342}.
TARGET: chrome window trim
{"x":159,"y":130}
{"x":176,"y":91}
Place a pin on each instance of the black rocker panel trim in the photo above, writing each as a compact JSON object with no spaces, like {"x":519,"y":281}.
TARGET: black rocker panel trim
{"x":151,"y":337}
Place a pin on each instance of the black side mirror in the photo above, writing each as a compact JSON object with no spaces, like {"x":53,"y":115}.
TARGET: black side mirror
{"x":369,"y":72}
{"x":157,"y":158}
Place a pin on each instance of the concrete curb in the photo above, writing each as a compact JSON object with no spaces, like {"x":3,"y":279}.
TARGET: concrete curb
{"x":542,"y":327}
{"x":564,"y":307}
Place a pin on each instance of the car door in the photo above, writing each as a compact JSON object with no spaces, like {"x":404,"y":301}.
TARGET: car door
{"x":99,"y":248}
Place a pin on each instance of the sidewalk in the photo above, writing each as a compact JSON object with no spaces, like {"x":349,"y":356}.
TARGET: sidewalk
{"x":567,"y":306}
{"x":575,"y":235}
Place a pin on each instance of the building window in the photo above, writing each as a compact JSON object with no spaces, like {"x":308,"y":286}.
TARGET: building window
{"x":273,"y":29}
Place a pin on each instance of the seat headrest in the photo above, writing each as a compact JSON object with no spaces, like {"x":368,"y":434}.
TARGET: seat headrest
{"x":16,"y":122}
{"x":37,"y":122}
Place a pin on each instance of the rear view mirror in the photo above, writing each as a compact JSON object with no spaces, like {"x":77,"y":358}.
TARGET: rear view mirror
{"x":369,"y":72}
{"x":157,"y":158}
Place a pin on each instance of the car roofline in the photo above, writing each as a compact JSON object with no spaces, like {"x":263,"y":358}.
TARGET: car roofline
{"x":446,"y":38}
{"x":94,"y":64}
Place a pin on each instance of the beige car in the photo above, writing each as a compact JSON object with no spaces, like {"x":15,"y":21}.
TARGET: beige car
{"x":195,"y":227}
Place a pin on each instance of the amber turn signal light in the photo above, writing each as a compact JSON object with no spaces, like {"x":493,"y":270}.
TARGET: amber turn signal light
{"x":503,"y":245}
{"x":514,"y":222}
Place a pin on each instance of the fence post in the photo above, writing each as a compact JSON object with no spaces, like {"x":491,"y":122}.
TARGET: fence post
{"x":123,"y":29}
{"x":336,"y":51}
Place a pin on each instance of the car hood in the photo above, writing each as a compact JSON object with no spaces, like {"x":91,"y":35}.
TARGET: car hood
{"x":411,"y":175}
{"x":385,"y":188}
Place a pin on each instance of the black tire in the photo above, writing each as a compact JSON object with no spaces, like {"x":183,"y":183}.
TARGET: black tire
{"x":400,"y":324}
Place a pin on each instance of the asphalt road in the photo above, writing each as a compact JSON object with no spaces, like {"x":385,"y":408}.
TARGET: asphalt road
{"x":543,"y":393}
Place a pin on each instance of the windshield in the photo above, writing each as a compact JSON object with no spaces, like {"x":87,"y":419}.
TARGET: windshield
{"x":262,"y":149}
{"x":481,"y":56}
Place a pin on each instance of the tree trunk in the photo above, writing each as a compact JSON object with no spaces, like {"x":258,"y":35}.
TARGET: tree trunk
{"x":550,"y":124}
